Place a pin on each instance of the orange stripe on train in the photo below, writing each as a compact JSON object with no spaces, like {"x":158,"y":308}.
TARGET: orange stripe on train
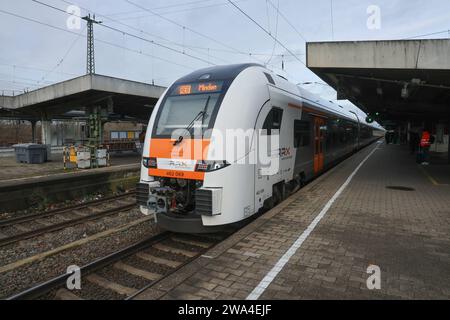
{"x":192,"y":149}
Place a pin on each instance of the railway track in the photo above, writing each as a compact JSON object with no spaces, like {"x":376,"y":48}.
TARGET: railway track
{"x":127,"y":272}
{"x":92,"y":212}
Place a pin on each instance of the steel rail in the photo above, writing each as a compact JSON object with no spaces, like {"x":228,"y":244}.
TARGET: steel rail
{"x":54,"y":212}
{"x":65,"y":224}
{"x":45,"y":287}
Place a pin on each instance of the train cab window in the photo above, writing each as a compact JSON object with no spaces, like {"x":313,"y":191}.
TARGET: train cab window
{"x":273,"y":120}
{"x":302,"y":133}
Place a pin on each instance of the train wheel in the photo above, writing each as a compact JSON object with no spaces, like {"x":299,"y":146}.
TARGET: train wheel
{"x":302,"y":180}
{"x":278,"y":193}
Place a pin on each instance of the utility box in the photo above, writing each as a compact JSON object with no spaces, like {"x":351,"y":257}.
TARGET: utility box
{"x":84,"y":164}
{"x":102,"y":162}
{"x":30,"y":153}
{"x":83,"y":158}
{"x":101,"y":153}
{"x":83,"y":155}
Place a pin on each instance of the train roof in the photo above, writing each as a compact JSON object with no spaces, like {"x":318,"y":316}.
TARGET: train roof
{"x":233,"y":70}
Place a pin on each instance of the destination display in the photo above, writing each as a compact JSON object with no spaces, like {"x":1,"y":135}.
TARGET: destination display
{"x":195,"y":88}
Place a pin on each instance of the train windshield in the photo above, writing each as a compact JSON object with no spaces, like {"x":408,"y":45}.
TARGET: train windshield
{"x":188,"y":108}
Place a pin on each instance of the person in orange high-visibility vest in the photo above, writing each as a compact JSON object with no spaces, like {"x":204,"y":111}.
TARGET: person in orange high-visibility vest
{"x":424,"y":144}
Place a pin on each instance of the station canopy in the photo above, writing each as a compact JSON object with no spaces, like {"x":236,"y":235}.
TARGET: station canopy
{"x":399,"y":80}
{"x":70,"y":99}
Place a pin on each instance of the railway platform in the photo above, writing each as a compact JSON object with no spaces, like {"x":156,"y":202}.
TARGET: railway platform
{"x":378,"y":208}
{"x":11,"y":170}
{"x":26,"y":185}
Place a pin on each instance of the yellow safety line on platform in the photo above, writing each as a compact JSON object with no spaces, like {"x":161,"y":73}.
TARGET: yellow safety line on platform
{"x":433,"y":181}
{"x":77,"y":243}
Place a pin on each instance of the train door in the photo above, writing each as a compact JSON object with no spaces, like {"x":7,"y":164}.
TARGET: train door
{"x":319,"y":141}
{"x":267,"y":174}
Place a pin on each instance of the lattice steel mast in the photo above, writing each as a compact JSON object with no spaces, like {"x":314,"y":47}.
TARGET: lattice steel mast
{"x":90,"y":66}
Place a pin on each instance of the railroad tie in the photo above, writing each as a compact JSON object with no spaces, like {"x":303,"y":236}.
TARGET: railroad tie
{"x":196,"y":243}
{"x":137,"y":272}
{"x":105,"y":283}
{"x":150,"y":258}
{"x":21,"y":228}
{"x":170,"y":249}
{"x":64,"y":294}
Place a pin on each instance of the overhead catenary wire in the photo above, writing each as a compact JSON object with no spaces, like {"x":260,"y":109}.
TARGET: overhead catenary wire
{"x":428,"y":34}
{"x":268,"y":15}
{"x":63,"y":58}
{"x":192,"y":30}
{"x":186,"y":45}
{"x":283,"y":16}
{"x":276,"y":32}
{"x":109,"y":43}
{"x":131,"y":35}
{"x":166,"y":7}
{"x":183,"y":26}
{"x":23,"y":78}
{"x":106,"y":17}
{"x":178,"y":11}
{"x":332,"y":19}
{"x":74,"y":33}
{"x":267,"y":32}
{"x":35,"y":69}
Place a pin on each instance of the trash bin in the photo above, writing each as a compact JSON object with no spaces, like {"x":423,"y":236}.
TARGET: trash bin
{"x":30,"y":153}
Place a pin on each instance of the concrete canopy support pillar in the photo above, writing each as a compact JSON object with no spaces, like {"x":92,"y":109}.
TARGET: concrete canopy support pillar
{"x":46,"y":135}
{"x":448,"y":146}
{"x":46,"y":132}
{"x":33,"y":131}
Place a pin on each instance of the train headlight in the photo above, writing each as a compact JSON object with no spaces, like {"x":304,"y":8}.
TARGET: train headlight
{"x":149,"y":162}
{"x":210,"y":165}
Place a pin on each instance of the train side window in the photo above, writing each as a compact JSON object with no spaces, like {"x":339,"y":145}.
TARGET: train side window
{"x":273,"y":120}
{"x":302,"y":133}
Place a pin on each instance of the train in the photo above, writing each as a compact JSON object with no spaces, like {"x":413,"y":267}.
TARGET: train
{"x":227,"y":142}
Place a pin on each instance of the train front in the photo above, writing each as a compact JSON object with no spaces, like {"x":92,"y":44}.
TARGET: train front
{"x":174,"y":161}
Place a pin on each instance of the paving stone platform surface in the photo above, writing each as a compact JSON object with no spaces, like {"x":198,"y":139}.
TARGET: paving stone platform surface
{"x":404,"y":231}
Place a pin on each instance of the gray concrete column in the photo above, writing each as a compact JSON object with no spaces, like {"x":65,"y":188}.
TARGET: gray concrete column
{"x":46,"y":134}
{"x":448,"y":147}
{"x":46,"y":131}
{"x":33,"y":131}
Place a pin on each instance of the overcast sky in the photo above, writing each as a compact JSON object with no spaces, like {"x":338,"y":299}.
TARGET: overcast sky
{"x":211,"y":31}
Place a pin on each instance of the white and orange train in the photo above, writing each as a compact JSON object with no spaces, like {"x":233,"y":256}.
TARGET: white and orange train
{"x":197,"y":192}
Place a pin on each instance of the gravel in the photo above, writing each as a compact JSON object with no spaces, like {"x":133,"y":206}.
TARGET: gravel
{"x":121,"y":277}
{"x":184,"y":246}
{"x":49,"y":241}
{"x":52,"y":206}
{"x":166,"y":255}
{"x":146,"y":265}
{"x":91,"y":291}
{"x":36,"y":272}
